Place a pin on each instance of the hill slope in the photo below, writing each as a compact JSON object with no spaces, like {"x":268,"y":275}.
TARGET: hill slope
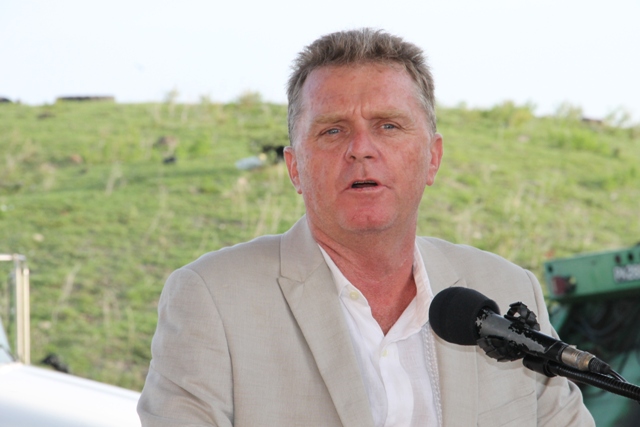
{"x":84,"y":193}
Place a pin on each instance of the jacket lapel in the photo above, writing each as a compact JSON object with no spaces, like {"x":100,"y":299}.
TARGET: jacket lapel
{"x":458,"y":379}
{"x":308,"y":286}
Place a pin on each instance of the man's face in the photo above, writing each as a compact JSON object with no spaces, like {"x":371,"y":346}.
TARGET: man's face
{"x":362,"y":150}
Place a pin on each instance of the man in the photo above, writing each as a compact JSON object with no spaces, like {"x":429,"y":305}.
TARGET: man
{"x":327,"y":325}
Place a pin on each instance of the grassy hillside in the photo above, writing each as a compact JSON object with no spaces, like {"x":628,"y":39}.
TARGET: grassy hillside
{"x":84,"y":194}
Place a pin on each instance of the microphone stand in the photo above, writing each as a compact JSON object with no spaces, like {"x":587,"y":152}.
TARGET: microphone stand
{"x":551,"y":369}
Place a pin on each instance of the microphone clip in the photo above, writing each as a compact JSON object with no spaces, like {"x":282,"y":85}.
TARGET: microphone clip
{"x":504,"y":350}
{"x":519,"y":312}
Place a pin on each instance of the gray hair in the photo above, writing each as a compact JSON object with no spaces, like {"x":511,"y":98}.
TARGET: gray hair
{"x":355,"y":47}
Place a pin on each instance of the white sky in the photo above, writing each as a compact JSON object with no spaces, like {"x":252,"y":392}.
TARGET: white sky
{"x":483,"y":52}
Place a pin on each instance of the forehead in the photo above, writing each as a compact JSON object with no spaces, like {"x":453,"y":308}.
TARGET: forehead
{"x":374,"y":84}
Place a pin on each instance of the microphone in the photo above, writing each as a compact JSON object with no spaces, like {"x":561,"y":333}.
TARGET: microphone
{"x":464,"y":316}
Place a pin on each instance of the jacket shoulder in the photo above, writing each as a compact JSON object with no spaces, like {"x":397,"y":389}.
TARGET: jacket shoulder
{"x":486,"y":272}
{"x":469,"y":257}
{"x":258,"y":257}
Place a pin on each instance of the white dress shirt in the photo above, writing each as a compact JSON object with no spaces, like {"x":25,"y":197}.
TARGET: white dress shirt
{"x":399,"y":370}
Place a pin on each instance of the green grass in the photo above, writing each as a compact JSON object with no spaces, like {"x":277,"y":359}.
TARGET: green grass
{"x":85,"y":196}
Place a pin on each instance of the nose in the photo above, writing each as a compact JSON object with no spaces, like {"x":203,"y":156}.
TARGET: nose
{"x":361,"y":147}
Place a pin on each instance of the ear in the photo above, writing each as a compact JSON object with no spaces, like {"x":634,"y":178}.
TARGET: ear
{"x":435,"y":151}
{"x":292,"y":167}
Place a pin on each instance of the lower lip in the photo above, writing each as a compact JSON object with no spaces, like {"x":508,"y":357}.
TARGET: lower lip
{"x":366,"y":189}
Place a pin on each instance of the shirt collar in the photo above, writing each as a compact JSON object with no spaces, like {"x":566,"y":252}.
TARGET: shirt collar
{"x":418,"y":309}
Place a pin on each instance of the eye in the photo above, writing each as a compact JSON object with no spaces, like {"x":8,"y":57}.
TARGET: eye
{"x":388,"y":126}
{"x":332,"y":131}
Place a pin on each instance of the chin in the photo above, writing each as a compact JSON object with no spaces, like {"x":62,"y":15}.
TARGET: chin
{"x":367,"y":223}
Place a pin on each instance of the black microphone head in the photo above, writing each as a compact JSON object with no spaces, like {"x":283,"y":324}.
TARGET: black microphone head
{"x":454,"y":311}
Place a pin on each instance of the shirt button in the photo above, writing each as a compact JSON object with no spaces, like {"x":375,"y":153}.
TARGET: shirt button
{"x":354,"y":295}
{"x":384,"y":353}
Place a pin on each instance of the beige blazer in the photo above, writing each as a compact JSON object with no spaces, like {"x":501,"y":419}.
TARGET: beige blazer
{"x":254,"y":335}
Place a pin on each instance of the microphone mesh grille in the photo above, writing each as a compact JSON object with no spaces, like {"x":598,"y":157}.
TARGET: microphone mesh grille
{"x":454,"y":311}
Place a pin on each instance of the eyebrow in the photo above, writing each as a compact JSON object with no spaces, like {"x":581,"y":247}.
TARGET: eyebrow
{"x":327,"y":118}
{"x":380,"y":114}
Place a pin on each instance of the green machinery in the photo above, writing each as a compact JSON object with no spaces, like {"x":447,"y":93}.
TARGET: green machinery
{"x":594,"y":303}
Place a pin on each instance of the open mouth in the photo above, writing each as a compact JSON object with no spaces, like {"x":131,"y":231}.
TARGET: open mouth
{"x":364,"y":184}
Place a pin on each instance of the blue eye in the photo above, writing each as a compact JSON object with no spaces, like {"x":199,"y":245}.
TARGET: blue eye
{"x":388,"y":126}
{"x":332,"y":131}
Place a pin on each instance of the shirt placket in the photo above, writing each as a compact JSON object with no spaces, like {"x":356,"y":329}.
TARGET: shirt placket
{"x":396,"y":383}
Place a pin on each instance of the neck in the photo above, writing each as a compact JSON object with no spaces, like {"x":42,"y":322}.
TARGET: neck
{"x":380,"y":265}
{"x":371,"y":260}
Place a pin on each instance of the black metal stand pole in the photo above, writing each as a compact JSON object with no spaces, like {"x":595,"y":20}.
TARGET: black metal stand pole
{"x":551,"y":369}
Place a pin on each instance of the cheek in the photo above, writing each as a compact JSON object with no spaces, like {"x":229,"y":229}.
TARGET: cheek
{"x":313,"y":178}
{"x":415,"y":167}
{"x":305,"y":177}
{"x":416,"y":180}
{"x":425,"y":166}
{"x":318,"y":180}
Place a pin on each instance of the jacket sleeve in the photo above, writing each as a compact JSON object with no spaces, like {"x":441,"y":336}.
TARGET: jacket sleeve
{"x":559,"y":400}
{"x":190,"y":379}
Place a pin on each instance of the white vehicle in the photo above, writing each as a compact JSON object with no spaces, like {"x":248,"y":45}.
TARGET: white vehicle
{"x":39,"y":397}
